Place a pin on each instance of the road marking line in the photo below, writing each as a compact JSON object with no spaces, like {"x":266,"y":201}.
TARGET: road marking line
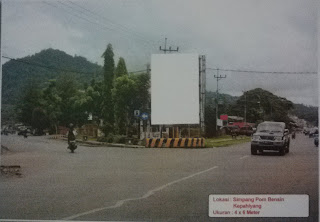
{"x":148,"y":194}
{"x":244,"y":157}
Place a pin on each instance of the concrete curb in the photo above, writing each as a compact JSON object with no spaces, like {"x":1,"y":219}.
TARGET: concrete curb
{"x":96,"y":143}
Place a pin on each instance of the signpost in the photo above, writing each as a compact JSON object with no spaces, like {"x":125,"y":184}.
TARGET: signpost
{"x":136,"y":113}
{"x":144,"y":116}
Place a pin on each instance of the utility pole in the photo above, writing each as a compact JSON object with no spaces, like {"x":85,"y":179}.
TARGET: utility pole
{"x":217,"y":100}
{"x":245,"y":107}
{"x":202,"y":92}
{"x":168,"y":50}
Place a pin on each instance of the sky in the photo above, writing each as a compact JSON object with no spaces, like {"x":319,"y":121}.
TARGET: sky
{"x":264,"y":35}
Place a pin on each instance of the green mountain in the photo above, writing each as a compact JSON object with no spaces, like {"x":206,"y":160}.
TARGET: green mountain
{"x":224,"y":99}
{"x":43,"y":66}
{"x":308,"y":113}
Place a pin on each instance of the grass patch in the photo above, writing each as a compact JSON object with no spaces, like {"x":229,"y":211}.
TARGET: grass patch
{"x":226,"y":141}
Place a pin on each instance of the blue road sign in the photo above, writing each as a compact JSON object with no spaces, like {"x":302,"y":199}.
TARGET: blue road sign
{"x":144,"y":116}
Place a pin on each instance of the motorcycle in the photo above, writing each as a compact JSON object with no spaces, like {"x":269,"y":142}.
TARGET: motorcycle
{"x":293,"y":135}
{"x":72,"y":146}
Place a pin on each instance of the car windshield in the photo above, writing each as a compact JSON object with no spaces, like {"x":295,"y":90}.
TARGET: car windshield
{"x":272,"y":128}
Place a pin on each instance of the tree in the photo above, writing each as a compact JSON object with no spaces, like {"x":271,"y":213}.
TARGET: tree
{"x":31,"y":99}
{"x":142,"y":98}
{"x":262,"y":105}
{"x":142,"y":91}
{"x":123,"y":100}
{"x":39,"y":120}
{"x":67,"y":89}
{"x":94,"y":91}
{"x":108,"y":67}
{"x":81,"y":105}
{"x":121,"y":68}
{"x":107,"y":103}
{"x":52,"y":105}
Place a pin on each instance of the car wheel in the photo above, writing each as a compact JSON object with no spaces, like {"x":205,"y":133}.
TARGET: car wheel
{"x":253,"y":151}
{"x":282,"y":151}
{"x":287,"y":147}
{"x":287,"y":150}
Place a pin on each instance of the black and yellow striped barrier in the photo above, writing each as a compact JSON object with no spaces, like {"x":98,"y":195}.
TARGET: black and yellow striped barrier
{"x":175,"y":142}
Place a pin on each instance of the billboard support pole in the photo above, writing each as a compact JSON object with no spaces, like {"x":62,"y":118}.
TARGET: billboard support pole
{"x":202,"y":90}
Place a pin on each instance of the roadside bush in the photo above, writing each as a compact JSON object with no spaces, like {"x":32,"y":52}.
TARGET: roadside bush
{"x":119,"y":139}
{"x":108,"y":139}
{"x":102,"y":139}
{"x":111,"y":138}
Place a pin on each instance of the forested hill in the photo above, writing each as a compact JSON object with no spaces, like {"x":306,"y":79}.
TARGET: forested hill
{"x":308,"y":113}
{"x":43,"y":66}
{"x":223,"y":98}
{"x":261,"y":104}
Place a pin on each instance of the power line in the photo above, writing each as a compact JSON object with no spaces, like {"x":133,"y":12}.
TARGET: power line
{"x":74,"y":12}
{"x":76,"y":15}
{"x":124,"y":28}
{"x":263,"y":72}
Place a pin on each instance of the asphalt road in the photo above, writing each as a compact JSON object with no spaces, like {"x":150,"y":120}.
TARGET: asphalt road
{"x":138,"y":184}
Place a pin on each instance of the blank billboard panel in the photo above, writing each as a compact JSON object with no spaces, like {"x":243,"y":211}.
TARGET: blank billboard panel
{"x":174,"y":89}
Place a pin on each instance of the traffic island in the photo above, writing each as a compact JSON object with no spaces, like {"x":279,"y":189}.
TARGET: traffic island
{"x":175,"y":143}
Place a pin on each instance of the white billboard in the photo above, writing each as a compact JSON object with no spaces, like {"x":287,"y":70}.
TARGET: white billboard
{"x":174,"y":89}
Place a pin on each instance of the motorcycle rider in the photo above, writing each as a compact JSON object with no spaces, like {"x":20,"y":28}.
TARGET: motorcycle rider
{"x":71,"y":136}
